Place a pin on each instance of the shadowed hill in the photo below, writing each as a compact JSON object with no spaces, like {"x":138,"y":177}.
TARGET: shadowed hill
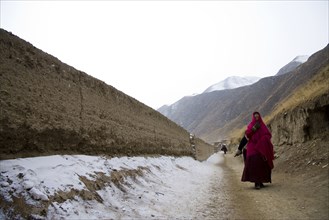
{"x":213,"y":116}
{"x":48,"y":107}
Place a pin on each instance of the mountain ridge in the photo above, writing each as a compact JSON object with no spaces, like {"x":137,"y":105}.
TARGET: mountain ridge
{"x":232,"y":82}
{"x":214,"y":115}
{"x":292,"y":65}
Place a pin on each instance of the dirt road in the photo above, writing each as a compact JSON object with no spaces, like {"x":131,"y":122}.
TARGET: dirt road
{"x":286,"y":197}
{"x":170,"y":188}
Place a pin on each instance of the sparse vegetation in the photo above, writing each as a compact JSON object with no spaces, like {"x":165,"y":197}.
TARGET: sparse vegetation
{"x":307,"y":92}
{"x":314,"y":88}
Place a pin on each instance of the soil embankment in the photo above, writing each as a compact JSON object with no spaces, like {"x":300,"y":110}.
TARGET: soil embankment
{"x":48,"y":107}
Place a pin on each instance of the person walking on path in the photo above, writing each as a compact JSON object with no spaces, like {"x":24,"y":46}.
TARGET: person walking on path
{"x":224,"y":148}
{"x":260,"y":155}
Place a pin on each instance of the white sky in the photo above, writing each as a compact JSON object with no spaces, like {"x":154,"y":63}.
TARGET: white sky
{"x":160,"y":51}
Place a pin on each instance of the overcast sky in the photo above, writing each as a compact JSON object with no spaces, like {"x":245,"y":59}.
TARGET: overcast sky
{"x":160,"y":51}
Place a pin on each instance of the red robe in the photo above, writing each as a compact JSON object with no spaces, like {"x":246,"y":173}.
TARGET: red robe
{"x":260,"y":141}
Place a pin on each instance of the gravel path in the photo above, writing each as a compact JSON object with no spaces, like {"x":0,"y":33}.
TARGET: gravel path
{"x":286,"y":197}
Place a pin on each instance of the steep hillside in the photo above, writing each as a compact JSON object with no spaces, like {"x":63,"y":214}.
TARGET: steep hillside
{"x":293,"y":65}
{"x":213,"y":116}
{"x":300,"y":125}
{"x":300,"y":135}
{"x":48,"y":107}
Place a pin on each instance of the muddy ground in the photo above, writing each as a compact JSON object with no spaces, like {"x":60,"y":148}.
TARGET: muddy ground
{"x":288,"y":196}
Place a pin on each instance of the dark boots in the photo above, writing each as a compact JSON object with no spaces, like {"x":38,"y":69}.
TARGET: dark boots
{"x":259,"y":185}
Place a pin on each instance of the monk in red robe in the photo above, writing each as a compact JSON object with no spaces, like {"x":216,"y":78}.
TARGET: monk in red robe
{"x":260,"y":154}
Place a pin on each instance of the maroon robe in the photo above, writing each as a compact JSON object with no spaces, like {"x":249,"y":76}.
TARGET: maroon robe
{"x":260,"y":155}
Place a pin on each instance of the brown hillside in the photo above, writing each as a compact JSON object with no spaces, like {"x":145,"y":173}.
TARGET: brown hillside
{"x":48,"y":107}
{"x":300,"y":127}
{"x":309,"y":97}
{"x":216,"y":115}
{"x":266,"y":94}
{"x":300,"y":135}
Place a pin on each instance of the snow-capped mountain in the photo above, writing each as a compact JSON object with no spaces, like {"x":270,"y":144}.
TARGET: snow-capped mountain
{"x":229,"y":83}
{"x":232,"y":83}
{"x":293,"y":64}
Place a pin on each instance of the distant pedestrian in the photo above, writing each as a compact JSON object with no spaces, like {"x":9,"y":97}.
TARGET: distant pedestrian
{"x":259,"y":157}
{"x":224,"y":148}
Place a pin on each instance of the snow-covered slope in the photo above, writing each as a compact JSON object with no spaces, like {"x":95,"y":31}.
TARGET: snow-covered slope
{"x":91,"y":187}
{"x":301,"y":59}
{"x":297,"y":61}
{"x":232,"y":82}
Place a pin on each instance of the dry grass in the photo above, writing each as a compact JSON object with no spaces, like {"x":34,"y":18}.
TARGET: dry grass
{"x":317,"y":86}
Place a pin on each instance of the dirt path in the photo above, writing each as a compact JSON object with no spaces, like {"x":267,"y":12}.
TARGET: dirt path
{"x":285,"y":198}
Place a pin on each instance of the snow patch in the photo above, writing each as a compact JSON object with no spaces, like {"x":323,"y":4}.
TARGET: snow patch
{"x":232,"y":83}
{"x":301,"y":59}
{"x":4,"y":184}
{"x":38,"y":195}
{"x":28,"y":184}
{"x":216,"y":159}
{"x":168,"y":187}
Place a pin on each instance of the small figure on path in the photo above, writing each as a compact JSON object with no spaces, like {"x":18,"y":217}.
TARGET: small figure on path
{"x":224,"y":148}
{"x":260,"y":155}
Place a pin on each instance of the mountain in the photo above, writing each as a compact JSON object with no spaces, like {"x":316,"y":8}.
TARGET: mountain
{"x":293,"y":64}
{"x":236,"y":82}
{"x":49,"y":107}
{"x":214,"y":116}
{"x":228,"y":83}
{"x":232,"y":83}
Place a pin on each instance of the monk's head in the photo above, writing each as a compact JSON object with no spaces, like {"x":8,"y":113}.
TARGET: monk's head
{"x":256,"y":115}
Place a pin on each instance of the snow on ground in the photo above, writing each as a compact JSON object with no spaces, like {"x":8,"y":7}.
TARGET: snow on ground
{"x":152,"y":187}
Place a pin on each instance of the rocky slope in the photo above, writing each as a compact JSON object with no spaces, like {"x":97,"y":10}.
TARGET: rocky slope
{"x":48,"y":107}
{"x":214,"y":116}
{"x":301,"y":136}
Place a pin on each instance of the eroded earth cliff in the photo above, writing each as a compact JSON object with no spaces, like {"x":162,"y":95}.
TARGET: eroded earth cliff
{"x":48,"y":107}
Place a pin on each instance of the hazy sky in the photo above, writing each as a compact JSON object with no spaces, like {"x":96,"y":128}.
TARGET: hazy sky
{"x":160,"y":51}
